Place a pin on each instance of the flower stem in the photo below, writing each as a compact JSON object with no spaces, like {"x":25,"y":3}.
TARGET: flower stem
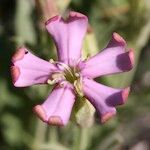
{"x":39,"y":135}
{"x":81,"y":139}
{"x":53,"y":135}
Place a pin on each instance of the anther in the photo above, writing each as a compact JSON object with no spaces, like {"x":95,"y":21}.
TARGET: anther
{"x":51,"y":82}
{"x":77,"y":74}
{"x":52,"y":61}
{"x":65,"y":67}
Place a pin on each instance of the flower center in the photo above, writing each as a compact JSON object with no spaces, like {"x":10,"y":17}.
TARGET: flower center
{"x":67,"y":73}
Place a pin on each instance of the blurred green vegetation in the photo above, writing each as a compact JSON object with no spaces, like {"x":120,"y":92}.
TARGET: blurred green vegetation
{"x":21,"y":23}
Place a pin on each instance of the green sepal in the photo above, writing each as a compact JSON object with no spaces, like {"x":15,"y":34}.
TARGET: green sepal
{"x":83,"y":112}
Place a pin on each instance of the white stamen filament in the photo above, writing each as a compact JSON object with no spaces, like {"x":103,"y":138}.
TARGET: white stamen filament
{"x":65,"y":67}
{"x":55,"y":80}
{"x":78,"y":87}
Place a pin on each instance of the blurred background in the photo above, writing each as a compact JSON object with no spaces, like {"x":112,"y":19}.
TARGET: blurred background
{"x":22,"y":23}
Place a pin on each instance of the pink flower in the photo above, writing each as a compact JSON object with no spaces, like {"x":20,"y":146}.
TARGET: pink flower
{"x":70,"y":74}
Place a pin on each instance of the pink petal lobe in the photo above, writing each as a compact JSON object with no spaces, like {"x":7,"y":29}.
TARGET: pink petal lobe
{"x":57,"y":108}
{"x":55,"y":120}
{"x":117,"y":40}
{"x":104,"y":98}
{"x":15,"y":73}
{"x":107,"y":116}
{"x":27,"y":69}
{"x":113,"y":59}
{"x":19,"y":54}
{"x":125,"y":94}
{"x":68,"y":35}
{"x":131,"y":56}
{"x":40,"y":112}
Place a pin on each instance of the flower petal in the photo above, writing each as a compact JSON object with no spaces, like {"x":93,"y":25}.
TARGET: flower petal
{"x":57,"y":108}
{"x":113,"y":59}
{"x":68,"y":35}
{"x":27,"y":69}
{"x":104,"y":98}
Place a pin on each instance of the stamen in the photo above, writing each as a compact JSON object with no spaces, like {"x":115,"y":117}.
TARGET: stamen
{"x":70,"y":74}
{"x":65,"y":67}
{"x":77,"y":74}
{"x":55,"y":78}
{"x":52,"y":61}
{"x":51,"y":82}
{"x":58,"y":75}
{"x":78,"y":87}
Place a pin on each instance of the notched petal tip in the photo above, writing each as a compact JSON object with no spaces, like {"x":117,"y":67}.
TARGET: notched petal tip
{"x":131,"y":56}
{"x":125,"y":94}
{"x":19,"y":54}
{"x":118,"y":98}
{"x":117,"y":41}
{"x":52,"y":19}
{"x":125,"y":61}
{"x":39,"y":111}
{"x":71,"y":15}
{"x":107,"y":116}
{"x":55,"y":120}
{"x":118,"y":38}
{"x":15,"y":73}
{"x":77,"y":14}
